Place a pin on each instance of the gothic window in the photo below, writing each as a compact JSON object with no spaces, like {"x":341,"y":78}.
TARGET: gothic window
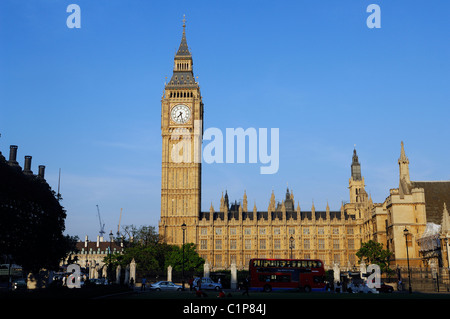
{"x":306,"y":244}
{"x":351,"y":244}
{"x":262,"y":244}
{"x":335,"y":243}
{"x":276,"y":244}
{"x":321,"y":244}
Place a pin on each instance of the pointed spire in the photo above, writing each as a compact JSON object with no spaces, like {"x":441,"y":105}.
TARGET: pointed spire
{"x":222,"y":203}
{"x":445,"y":225}
{"x":403,"y":163}
{"x":183,"y":49}
{"x":355,"y":167}
{"x":403,"y":157}
{"x":244,"y":202}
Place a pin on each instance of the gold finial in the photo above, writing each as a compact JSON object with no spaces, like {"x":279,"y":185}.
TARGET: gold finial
{"x":184,"y":21}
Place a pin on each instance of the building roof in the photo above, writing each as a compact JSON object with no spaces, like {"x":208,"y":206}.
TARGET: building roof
{"x":436,"y":194}
{"x":183,"y":49}
{"x":277,"y":214}
{"x":102,"y":245}
{"x":182,"y":78}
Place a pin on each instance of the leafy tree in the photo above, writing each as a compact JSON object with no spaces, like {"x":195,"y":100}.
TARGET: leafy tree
{"x":32,"y":221}
{"x":192,"y":261}
{"x":143,"y":245}
{"x":372,"y":252}
{"x":152,"y":255}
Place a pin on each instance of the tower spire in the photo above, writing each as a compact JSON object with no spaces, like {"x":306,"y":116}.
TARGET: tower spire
{"x":403,"y":164}
{"x":183,"y":49}
{"x":355,"y":167}
{"x":183,"y":72}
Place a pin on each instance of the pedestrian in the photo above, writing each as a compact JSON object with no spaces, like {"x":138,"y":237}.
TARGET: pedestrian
{"x":143,"y":284}
{"x":338,"y":287}
{"x":246,"y":284}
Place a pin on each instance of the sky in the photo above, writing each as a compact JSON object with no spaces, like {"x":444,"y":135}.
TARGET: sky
{"x":87,"y":101}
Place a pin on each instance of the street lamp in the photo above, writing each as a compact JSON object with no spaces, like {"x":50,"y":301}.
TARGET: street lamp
{"x":406,"y":232}
{"x":291,"y":244}
{"x":183,"y":227}
{"x":111,"y":237}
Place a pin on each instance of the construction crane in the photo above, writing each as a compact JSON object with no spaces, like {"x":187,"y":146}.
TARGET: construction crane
{"x":118,"y":227}
{"x":102,"y":226}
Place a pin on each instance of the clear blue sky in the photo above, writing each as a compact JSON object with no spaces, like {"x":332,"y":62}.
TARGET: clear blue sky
{"x":88,"y":100}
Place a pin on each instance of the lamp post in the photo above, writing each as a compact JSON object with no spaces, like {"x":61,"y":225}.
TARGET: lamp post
{"x":406,"y":232}
{"x":111,"y":237}
{"x":291,"y":244}
{"x":183,"y":227}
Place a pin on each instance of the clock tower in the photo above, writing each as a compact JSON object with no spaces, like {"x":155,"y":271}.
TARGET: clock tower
{"x":181,"y":130}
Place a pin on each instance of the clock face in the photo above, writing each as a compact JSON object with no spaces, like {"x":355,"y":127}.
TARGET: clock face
{"x":180,"y":114}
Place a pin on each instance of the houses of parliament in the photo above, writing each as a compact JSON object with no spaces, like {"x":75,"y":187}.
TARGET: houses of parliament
{"x":412,"y":222}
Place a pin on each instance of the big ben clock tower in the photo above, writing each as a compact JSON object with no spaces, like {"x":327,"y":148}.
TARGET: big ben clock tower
{"x":181,"y":130}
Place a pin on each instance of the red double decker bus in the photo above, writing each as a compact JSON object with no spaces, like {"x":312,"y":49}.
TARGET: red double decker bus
{"x":273,"y":274}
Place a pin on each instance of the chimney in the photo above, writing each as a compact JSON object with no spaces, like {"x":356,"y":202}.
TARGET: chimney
{"x":86,"y":241}
{"x":13,"y":155}
{"x":41,"y":171}
{"x":98,"y":241}
{"x":27,"y":166}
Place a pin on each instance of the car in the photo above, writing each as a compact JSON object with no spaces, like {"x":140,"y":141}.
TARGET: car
{"x":99,"y":281}
{"x":19,"y":284}
{"x":207,"y":283}
{"x":165,"y":285}
{"x":385,"y":288}
{"x":361,"y":287}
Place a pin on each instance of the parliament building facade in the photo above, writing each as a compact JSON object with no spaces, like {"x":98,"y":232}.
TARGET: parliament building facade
{"x":237,"y":232}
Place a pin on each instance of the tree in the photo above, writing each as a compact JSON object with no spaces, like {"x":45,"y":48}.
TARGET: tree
{"x":32,"y":221}
{"x":152,"y":255}
{"x":143,"y":245}
{"x":372,"y":252}
{"x":192,"y":261}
